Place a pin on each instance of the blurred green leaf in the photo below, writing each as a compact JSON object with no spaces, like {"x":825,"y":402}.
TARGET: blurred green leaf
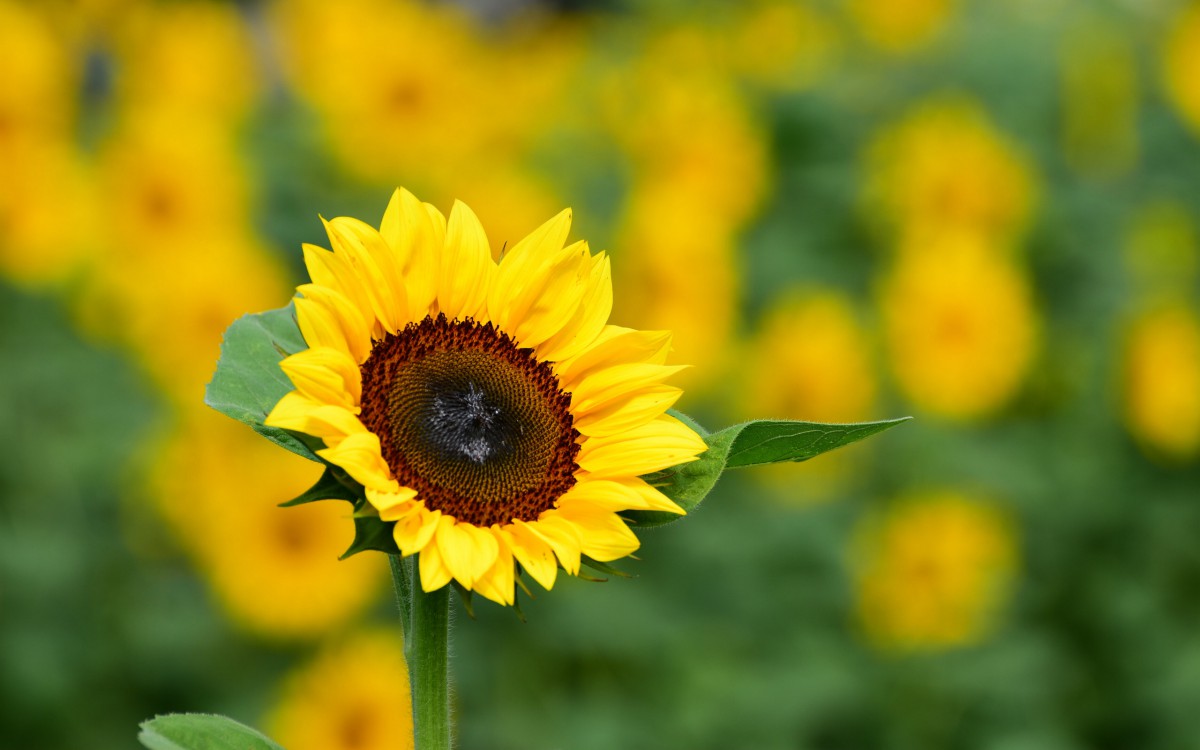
{"x":248,"y":382}
{"x":334,"y":484}
{"x":765,"y":441}
{"x":201,"y":732}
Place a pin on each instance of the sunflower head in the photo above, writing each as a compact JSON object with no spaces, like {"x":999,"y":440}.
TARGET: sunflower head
{"x":487,"y":409}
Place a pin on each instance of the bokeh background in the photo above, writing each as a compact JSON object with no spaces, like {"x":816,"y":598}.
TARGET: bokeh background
{"x":982,"y":214}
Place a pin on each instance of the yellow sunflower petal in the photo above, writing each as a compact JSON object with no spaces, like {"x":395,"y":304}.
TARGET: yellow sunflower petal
{"x":617,"y":495}
{"x":434,"y":571}
{"x":334,"y":271}
{"x":466,"y":266}
{"x":413,"y":533}
{"x":524,"y":260}
{"x":467,"y":550}
{"x":438,"y":222}
{"x":360,"y":455}
{"x":603,"y":535}
{"x":652,"y":498}
{"x":628,"y":411}
{"x":561,"y":535}
{"x":661,"y":443}
{"x":533,"y":553}
{"x":595,"y":305}
{"x":548,"y":300}
{"x":410,"y":231}
{"x":617,"y":383}
{"x":497,"y":582}
{"x":372,"y":262}
{"x":393,"y":506}
{"x":327,"y":318}
{"x":298,"y":413}
{"x":615,"y":346}
{"x":326,"y":375}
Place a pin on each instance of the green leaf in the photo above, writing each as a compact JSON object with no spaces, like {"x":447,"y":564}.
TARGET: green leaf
{"x":334,"y":484}
{"x":248,"y":382}
{"x":749,"y":444}
{"x":201,"y":732}
{"x":371,"y":533}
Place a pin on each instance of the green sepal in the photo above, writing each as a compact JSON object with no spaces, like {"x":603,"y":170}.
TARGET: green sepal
{"x":201,"y":732}
{"x":466,"y":596}
{"x":604,"y":568}
{"x":334,"y":484}
{"x":372,"y":533}
{"x":765,"y":441}
{"x":248,"y":382}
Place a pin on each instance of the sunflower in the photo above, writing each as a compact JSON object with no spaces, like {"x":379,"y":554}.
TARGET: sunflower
{"x":485,"y":406}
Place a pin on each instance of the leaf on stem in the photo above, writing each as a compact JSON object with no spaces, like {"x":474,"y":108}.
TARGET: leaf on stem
{"x":248,"y":382}
{"x":201,"y":732}
{"x":765,"y":441}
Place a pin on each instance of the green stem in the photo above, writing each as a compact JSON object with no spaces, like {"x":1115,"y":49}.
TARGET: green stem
{"x":426,"y":648}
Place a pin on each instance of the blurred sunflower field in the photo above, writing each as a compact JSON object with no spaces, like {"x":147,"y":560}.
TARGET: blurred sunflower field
{"x":986,"y":215}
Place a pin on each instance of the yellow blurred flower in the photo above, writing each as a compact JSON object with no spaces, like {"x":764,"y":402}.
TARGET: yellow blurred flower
{"x":1181,"y":64}
{"x":679,"y":273}
{"x":37,"y":100}
{"x":933,"y":571}
{"x":274,"y":570}
{"x":1100,"y":99}
{"x":47,"y":213}
{"x":172,"y":307}
{"x":810,"y":360}
{"x":1162,"y":380}
{"x":783,"y":45}
{"x":943,"y":166}
{"x":194,"y":57}
{"x":411,"y":79}
{"x":353,"y":696}
{"x":678,"y":115}
{"x":900,"y":26}
{"x":167,"y":181}
{"x":959,"y":323}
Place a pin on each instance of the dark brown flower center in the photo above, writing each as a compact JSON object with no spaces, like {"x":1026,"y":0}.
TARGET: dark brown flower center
{"x":479,"y":428}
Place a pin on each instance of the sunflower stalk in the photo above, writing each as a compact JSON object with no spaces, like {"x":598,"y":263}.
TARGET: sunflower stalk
{"x":425,"y":622}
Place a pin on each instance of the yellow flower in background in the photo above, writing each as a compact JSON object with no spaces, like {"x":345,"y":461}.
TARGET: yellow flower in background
{"x":41,"y":79}
{"x":47,"y":214}
{"x":275,"y":571}
{"x":932,"y":571}
{"x":960,"y":325}
{"x":900,"y":26}
{"x":665,"y":231}
{"x":167,"y":181}
{"x":1181,"y":64}
{"x":783,"y":45}
{"x":411,"y":79}
{"x":679,"y":116}
{"x":1162,"y":380}
{"x":172,"y":307}
{"x":810,"y":360}
{"x":486,"y":407}
{"x":1100,"y":99}
{"x":354,"y":695}
{"x":193,"y":57}
{"x":945,"y":166}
